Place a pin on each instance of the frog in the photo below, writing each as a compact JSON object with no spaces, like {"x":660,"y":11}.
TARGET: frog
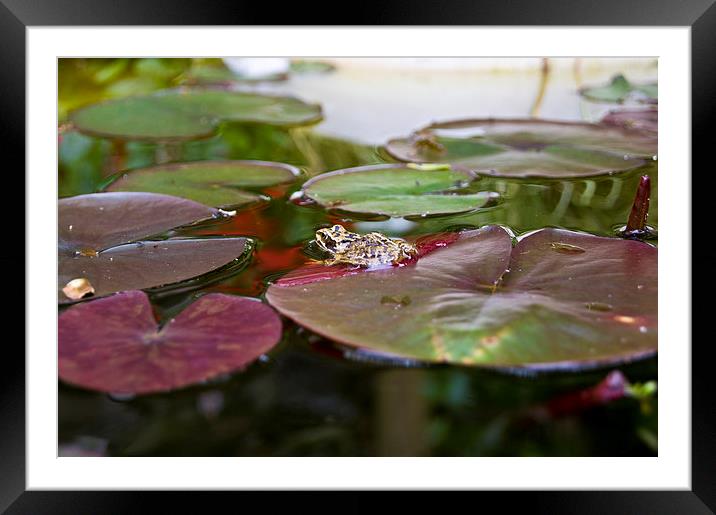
{"x":365,"y":250}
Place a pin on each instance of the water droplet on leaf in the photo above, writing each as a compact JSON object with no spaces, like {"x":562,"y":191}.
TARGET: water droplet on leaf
{"x":566,"y":248}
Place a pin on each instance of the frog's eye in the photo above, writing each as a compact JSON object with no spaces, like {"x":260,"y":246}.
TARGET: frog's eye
{"x":337,"y":228}
{"x":329,"y":244}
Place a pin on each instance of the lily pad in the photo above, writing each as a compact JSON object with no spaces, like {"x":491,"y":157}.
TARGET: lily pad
{"x":114,"y":344}
{"x":557,"y":300}
{"x":527,"y":148}
{"x":218,"y":73}
{"x":646,"y":120}
{"x":102,"y":241}
{"x":189,"y":114}
{"x":620,"y":90}
{"x":214,"y":183}
{"x":396,"y":190}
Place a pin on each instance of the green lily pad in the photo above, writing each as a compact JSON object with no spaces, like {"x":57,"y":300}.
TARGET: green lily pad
{"x":218,"y":73}
{"x":213,"y":183}
{"x":620,"y":90}
{"x":105,"y":243}
{"x":309,"y":66}
{"x":528,"y":148}
{"x":114,"y":345}
{"x":396,"y":190}
{"x":189,"y":114}
{"x":556,"y":300}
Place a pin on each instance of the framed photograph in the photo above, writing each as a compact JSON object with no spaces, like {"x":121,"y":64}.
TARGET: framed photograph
{"x":360,"y":257}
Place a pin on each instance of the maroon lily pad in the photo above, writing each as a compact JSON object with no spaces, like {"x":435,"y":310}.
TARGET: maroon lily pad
{"x":556,"y":300}
{"x":646,"y":120}
{"x":114,"y":344}
{"x":101,"y":243}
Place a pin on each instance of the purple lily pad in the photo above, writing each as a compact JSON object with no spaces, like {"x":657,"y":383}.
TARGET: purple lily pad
{"x":101,"y":243}
{"x":645,"y":120}
{"x":114,"y":344}
{"x":556,"y":300}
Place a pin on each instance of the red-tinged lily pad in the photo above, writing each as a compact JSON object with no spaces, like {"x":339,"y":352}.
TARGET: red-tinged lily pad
{"x":527,"y":148}
{"x":646,"y":120}
{"x":213,"y":183}
{"x":114,"y":344}
{"x":189,"y":114}
{"x":397,"y":190}
{"x":103,"y":248}
{"x":557,"y":300}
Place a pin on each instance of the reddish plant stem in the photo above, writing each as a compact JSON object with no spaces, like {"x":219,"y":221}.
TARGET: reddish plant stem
{"x":640,"y":208}
{"x":611,"y":388}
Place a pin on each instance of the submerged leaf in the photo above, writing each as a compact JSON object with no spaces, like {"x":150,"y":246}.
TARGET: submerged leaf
{"x":100,"y":242}
{"x":189,"y":114}
{"x":114,"y":344}
{"x":479,"y":301}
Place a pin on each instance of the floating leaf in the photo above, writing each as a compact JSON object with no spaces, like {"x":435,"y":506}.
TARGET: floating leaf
{"x":306,"y":66}
{"x":646,"y":120}
{"x":479,"y":301}
{"x":100,"y":243}
{"x":218,"y":73}
{"x":396,"y":190}
{"x":114,"y":344}
{"x":527,"y":148}
{"x":620,"y":90}
{"x":189,"y":114}
{"x":214,"y":183}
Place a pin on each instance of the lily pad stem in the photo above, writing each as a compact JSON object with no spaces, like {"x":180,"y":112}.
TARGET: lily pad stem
{"x":544,"y":79}
{"x":300,"y":138}
{"x":168,"y":152}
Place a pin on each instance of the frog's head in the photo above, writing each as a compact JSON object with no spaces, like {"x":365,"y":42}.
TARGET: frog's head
{"x":333,"y":239}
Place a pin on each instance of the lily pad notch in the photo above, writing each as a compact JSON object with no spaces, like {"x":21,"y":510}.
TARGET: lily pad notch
{"x":114,"y":345}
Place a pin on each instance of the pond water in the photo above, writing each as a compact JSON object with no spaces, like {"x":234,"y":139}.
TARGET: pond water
{"x":311,"y":397}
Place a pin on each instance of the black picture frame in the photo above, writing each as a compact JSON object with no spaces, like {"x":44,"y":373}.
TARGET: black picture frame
{"x":17,"y":15}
